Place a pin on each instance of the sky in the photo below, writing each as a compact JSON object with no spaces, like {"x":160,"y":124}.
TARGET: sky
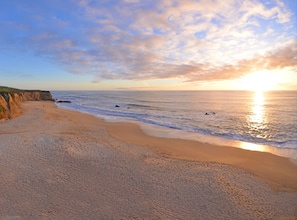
{"x":149,"y":45}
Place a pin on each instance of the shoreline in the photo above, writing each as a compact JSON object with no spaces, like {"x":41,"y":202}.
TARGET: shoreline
{"x":279,"y":171}
{"x":163,"y":132}
{"x":166,"y":132}
{"x":62,"y":164}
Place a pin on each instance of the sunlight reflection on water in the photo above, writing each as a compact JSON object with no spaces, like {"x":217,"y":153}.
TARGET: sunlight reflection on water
{"x":253,"y":147}
{"x":257,"y":120}
{"x":258,"y":110}
{"x":284,"y":152}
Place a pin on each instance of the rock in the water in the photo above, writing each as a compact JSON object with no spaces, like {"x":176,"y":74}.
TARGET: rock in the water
{"x":210,"y":113}
{"x":63,"y":101}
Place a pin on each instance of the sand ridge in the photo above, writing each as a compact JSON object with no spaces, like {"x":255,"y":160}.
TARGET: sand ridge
{"x":59,"y":164}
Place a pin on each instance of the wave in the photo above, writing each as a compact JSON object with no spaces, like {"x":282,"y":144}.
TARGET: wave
{"x":288,"y":144}
{"x":186,"y":118}
{"x":138,"y":106}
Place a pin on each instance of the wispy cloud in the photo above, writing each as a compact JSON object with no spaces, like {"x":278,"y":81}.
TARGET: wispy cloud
{"x":284,"y":58}
{"x":137,"y":40}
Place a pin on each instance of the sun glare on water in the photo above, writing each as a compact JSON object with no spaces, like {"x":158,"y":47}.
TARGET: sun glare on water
{"x":261,"y":81}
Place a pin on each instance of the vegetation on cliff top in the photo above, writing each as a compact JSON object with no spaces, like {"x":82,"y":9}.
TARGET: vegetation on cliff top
{"x":11,"y":91}
{"x":8,"y":89}
{"x":14,"y":90}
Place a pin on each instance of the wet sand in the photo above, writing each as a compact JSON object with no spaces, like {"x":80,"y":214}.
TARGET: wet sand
{"x":60,"y":164}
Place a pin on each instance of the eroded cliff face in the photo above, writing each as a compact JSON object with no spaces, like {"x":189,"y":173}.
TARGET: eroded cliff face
{"x":10,"y":102}
{"x":36,"y":96}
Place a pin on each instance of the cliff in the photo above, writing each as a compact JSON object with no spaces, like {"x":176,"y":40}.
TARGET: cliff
{"x":36,"y":95}
{"x":10,"y":100}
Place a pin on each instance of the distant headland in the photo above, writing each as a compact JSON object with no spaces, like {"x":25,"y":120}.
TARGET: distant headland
{"x":11,"y":98}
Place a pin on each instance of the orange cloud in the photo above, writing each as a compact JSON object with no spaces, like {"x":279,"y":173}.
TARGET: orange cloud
{"x":280,"y":59}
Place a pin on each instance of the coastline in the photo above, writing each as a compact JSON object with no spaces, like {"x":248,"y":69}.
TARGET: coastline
{"x":247,"y":124}
{"x":162,"y":132}
{"x":279,"y":172}
{"x":53,"y":154}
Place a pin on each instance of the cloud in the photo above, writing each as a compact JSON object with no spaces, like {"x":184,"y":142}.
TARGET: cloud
{"x":96,"y":81}
{"x":284,"y":58}
{"x":139,"y":40}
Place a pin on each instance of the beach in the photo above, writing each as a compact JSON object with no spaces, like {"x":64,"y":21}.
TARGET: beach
{"x":61,"y":164}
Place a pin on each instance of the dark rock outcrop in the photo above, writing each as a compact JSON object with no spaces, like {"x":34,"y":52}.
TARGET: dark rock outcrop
{"x":10,"y":100}
{"x":63,"y":101}
{"x":210,"y":113}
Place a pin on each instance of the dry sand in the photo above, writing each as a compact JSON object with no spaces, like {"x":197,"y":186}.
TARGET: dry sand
{"x":59,"y":164}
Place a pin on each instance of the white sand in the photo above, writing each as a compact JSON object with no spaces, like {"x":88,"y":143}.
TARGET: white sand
{"x":58,"y":164}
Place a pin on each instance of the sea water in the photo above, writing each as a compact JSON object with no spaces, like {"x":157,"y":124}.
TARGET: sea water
{"x":255,"y":118}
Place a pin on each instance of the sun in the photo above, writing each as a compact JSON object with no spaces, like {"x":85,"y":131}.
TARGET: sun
{"x":260,"y":81}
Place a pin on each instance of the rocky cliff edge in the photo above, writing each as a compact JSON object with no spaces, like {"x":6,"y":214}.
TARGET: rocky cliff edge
{"x":10,"y":100}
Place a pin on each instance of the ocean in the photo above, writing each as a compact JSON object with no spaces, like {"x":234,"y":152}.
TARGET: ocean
{"x":264,"y":121}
